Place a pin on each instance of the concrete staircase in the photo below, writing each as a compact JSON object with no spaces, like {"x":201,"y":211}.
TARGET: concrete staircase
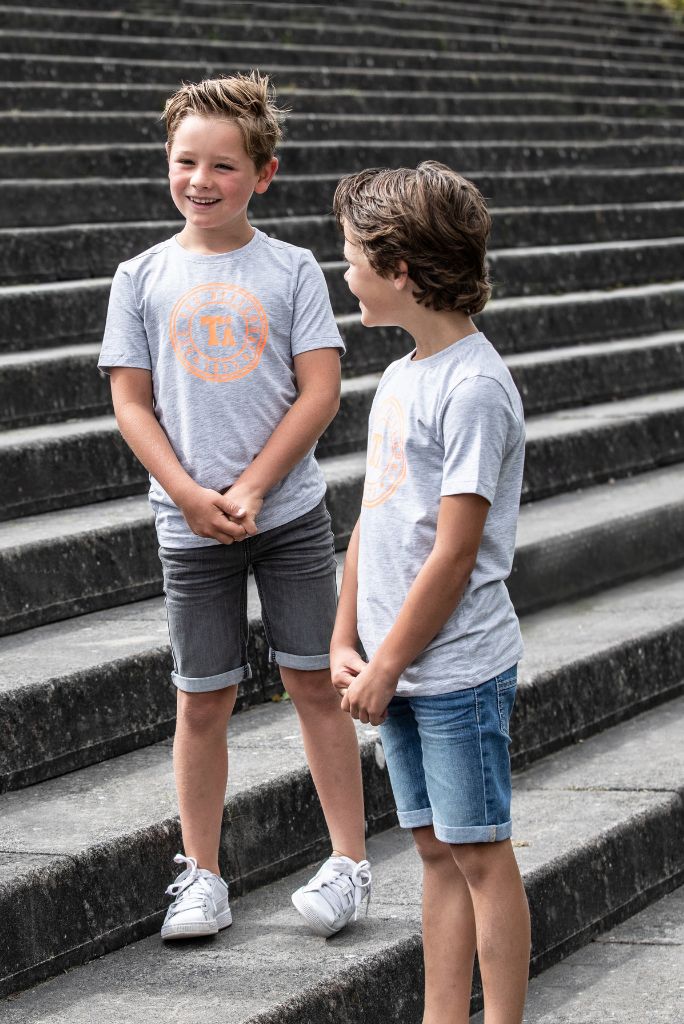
{"x":569,"y":116}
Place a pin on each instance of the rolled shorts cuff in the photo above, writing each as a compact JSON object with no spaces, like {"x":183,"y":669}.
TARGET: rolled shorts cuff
{"x":415,"y":819}
{"x":473,"y":833}
{"x":205,"y":684}
{"x":305,"y":662}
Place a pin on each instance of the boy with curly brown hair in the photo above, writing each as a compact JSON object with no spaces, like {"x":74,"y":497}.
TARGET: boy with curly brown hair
{"x":423,"y":586}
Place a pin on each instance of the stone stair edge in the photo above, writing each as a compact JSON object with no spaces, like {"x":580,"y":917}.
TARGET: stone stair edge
{"x":595,"y":372}
{"x":12,"y":63}
{"x":639,"y":16}
{"x":117,"y":560}
{"x":581,"y":682}
{"x":151,"y":46}
{"x":87,"y":462}
{"x":628,"y":832}
{"x":83,"y":252}
{"x":111,"y":200}
{"x":431,"y":26}
{"x":306,"y":102}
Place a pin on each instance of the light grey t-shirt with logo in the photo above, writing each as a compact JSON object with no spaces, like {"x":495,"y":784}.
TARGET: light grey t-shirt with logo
{"x":219,"y":333}
{"x":451,"y":423}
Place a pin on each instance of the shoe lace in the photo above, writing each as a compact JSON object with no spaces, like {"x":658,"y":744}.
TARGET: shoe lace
{"x":333,"y":884}
{"x":190,"y":888}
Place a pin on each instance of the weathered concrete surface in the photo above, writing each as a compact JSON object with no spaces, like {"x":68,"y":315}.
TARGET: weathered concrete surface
{"x":74,"y":463}
{"x":98,"y":686}
{"x":30,"y":128}
{"x":79,"y":560}
{"x":148,"y":160}
{"x":434,"y":31}
{"x":108,"y":199}
{"x":82,"y":251}
{"x":589,"y":853}
{"x":631,"y":974}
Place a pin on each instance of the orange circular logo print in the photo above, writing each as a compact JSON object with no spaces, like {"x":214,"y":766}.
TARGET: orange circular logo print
{"x":218,"y":332}
{"x":386,"y":462}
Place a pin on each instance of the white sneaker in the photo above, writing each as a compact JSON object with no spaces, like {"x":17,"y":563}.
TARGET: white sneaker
{"x":333,"y":896}
{"x":201,"y":903}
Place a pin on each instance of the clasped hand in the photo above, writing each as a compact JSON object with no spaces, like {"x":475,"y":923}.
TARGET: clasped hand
{"x":365,"y":689}
{"x":226,"y":517}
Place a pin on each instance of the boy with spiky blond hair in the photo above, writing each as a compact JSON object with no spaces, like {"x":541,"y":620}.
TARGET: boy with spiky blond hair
{"x":423,"y":585}
{"x":224,"y":359}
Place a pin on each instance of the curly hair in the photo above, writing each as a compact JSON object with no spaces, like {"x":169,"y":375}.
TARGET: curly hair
{"x":249,"y":100}
{"x":431,"y":217}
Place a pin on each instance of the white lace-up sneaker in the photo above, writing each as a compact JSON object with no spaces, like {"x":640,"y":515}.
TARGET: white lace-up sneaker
{"x":333,"y":896}
{"x":201,"y":903}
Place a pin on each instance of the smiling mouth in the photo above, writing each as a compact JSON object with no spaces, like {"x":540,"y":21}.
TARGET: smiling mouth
{"x":196,"y":201}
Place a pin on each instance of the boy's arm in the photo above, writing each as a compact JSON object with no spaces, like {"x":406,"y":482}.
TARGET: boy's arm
{"x":206,"y":511}
{"x":318,"y":384}
{"x":432,"y":598}
{"x":345,"y":660}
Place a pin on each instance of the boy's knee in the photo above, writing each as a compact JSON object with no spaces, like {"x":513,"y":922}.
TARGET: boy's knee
{"x":205,"y":712}
{"x":479,"y":861}
{"x":430,"y":849}
{"x":315,"y":686}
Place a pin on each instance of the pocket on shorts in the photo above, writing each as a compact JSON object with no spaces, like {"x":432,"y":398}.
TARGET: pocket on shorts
{"x":506,"y":685}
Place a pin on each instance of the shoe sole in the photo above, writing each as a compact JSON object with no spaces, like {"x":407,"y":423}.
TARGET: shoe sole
{"x":314,"y":922}
{"x":197,"y":931}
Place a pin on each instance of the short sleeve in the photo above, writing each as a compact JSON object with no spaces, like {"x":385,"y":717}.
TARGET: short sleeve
{"x":313,"y":321}
{"x":478,"y":427}
{"x":125,"y":339}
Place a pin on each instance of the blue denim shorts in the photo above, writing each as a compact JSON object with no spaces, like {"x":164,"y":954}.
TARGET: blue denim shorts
{"x":448,"y":760}
{"x":206,"y":602}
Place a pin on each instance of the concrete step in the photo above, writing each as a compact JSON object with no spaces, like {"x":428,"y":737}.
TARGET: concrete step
{"x":62,"y":465}
{"x":147,"y":159}
{"x":32,"y":255}
{"x":633,"y":20}
{"x":79,"y":560}
{"x":77,"y":310}
{"x":311,"y":194}
{"x":626,"y":973}
{"x":429,"y":33}
{"x":53,"y":385}
{"x":54,"y":127}
{"x":36,"y":96}
{"x":554,"y":75}
{"x":597,"y":829}
{"x":359,"y":49}
{"x":525,"y":323}
{"x":545,"y":270}
{"x":97,"y":686}
{"x":37,"y":202}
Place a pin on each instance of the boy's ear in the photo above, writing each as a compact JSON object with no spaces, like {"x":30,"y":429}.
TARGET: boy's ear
{"x":266,"y":175}
{"x":401,"y":275}
{"x":167,"y":150}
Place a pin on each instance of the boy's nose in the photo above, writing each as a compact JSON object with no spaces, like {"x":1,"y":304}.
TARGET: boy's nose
{"x":200,"y":178}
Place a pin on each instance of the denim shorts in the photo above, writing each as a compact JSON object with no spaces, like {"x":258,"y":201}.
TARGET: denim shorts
{"x":206,"y":600}
{"x":448,"y":760}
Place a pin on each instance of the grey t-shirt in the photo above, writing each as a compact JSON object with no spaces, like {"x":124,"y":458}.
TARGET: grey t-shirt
{"x":451,"y":423}
{"x":219,"y":333}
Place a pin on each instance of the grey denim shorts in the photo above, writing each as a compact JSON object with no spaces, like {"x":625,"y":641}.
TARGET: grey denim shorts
{"x":206,"y":600}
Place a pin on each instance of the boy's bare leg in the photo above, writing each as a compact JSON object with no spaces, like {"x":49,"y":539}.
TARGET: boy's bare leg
{"x":503,"y":926}
{"x":200,"y":760}
{"x":332,"y":751}
{"x":448,"y":933}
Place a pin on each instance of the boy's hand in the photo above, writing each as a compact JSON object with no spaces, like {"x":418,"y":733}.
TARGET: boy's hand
{"x":248,"y":502}
{"x":345,"y":665}
{"x":210,"y":514}
{"x":369,"y":694}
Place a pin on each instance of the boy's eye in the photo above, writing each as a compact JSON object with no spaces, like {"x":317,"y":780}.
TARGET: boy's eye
{"x":224,"y":167}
